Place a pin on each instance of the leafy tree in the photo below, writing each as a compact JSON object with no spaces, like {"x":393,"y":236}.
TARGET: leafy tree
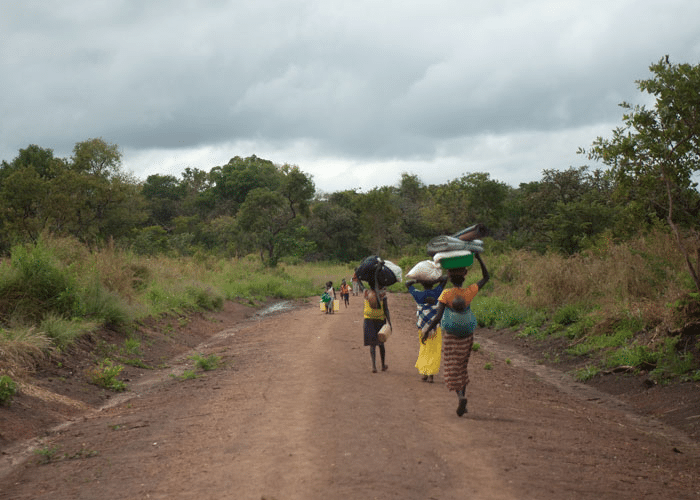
{"x":232,"y":182}
{"x":413,"y":196}
{"x":27,"y":199}
{"x":23,"y":195}
{"x":198,"y":196}
{"x":272,"y":214}
{"x":655,"y":154}
{"x":164,"y":195}
{"x":86,"y":196}
{"x":473,"y":198}
{"x":97,"y":158}
{"x":335,"y":228}
{"x":380,"y":221}
{"x":107,"y":202}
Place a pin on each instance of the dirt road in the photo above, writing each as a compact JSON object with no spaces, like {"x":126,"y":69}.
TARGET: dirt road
{"x":296,"y":413}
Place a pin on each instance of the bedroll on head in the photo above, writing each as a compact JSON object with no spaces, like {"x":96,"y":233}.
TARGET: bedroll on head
{"x":373,"y":268}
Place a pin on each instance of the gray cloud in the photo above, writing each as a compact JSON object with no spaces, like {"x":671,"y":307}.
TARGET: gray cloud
{"x":363,"y":89}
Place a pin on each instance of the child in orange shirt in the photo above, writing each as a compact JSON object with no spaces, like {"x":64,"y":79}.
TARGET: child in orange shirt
{"x":345,"y":292}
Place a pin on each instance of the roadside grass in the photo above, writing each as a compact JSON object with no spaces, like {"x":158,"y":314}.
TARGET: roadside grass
{"x":618,"y":304}
{"x":55,"y":291}
{"x":8,"y":388}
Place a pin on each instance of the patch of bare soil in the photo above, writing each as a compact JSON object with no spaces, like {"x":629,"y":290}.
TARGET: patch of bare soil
{"x":676,"y":404}
{"x":295,"y":412}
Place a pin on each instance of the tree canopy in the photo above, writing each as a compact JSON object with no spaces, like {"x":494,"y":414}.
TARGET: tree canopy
{"x":254,"y":205}
{"x":654,"y":155}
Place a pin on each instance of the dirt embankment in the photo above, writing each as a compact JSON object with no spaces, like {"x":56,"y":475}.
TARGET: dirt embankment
{"x":295,"y":412}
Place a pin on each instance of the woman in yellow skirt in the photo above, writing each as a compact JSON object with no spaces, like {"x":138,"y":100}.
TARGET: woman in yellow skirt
{"x":428,"y":363}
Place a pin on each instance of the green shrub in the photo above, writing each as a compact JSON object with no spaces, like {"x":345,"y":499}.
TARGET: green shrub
{"x":186,"y":375}
{"x":63,"y":332}
{"x":637,"y":356}
{"x":211,"y":362}
{"x":671,"y":363}
{"x":205,"y":299}
{"x":105,"y":375}
{"x":567,"y":314}
{"x":8,"y":388}
{"x":35,"y":284}
{"x":586,"y":373}
{"x":104,"y":306}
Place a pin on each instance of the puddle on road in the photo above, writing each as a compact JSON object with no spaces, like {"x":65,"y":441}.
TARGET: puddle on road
{"x":285,"y":305}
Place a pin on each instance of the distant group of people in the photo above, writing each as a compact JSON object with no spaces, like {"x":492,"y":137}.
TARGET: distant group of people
{"x":329,"y":296}
{"x":444,"y":320}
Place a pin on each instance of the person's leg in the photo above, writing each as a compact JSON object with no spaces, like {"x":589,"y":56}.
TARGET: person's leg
{"x":462,"y":393}
{"x":382,"y":353}
{"x":373,"y":355}
{"x":462,"y":405}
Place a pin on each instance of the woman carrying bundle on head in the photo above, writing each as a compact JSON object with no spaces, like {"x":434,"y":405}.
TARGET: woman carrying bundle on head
{"x":430,"y":277}
{"x":376,"y":314}
{"x":458,"y":323}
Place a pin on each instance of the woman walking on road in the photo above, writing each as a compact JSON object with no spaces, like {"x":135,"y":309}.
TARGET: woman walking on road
{"x":428,"y":362}
{"x":376,"y":314}
{"x":458,"y":323}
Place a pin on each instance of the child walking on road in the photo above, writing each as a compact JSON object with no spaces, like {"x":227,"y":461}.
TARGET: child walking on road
{"x":428,"y":362}
{"x":330,"y":291}
{"x":458,"y":323}
{"x":345,"y":292}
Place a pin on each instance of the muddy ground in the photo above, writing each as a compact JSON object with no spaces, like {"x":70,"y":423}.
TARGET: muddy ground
{"x":295,"y":412}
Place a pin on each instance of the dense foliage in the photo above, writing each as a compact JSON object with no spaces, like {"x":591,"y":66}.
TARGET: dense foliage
{"x":582,"y":254}
{"x":251,"y":205}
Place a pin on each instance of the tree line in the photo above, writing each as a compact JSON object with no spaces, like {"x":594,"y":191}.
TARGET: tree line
{"x":253,"y":205}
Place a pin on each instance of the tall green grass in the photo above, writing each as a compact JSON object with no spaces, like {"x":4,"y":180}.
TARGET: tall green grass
{"x":53,"y":292}
{"x":602,"y":300}
{"x":611,"y":301}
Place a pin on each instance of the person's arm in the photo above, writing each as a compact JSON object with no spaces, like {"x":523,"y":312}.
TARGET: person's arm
{"x":385,"y":303}
{"x":484,"y":272}
{"x":433,"y":323}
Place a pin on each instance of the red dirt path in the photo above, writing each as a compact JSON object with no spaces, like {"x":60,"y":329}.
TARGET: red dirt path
{"x":295,"y":413}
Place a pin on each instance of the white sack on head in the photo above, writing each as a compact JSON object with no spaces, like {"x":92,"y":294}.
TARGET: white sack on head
{"x":394,"y":269}
{"x":426,"y":270}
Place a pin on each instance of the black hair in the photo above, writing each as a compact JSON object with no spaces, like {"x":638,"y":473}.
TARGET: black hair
{"x":457,"y":279}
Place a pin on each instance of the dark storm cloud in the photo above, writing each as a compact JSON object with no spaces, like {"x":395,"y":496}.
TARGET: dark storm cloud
{"x":352,"y":92}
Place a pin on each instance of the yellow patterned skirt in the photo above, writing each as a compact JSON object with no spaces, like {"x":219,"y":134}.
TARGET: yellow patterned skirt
{"x":428,"y":362}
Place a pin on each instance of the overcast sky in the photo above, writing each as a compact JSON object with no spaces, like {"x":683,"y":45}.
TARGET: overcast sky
{"x":352,"y":92}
